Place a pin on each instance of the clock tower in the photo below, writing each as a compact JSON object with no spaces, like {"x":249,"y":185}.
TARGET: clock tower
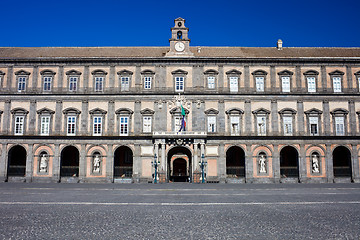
{"x":179,"y":41}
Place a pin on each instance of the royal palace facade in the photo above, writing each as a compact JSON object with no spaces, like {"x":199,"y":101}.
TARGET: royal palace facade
{"x":114,"y":114}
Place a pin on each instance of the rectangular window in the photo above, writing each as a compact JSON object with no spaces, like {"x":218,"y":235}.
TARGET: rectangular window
{"x":234,"y":86}
{"x":179,"y":84}
{"x":19,"y":125}
{"x":99,"y":84}
{"x":337,"y":84}
{"x":261,"y":126}
{"x":47,"y":83}
{"x":259,"y":84}
{"x":211,"y":82}
{"x":97,"y":126}
{"x":314,"y":126}
{"x":147,"y":124}
{"x":339,"y":126}
{"x":211,"y":124}
{"x":71,"y":126}
{"x":125,"y":83}
{"x":288,"y":128}
{"x":45,"y":125}
{"x":285,"y":81}
{"x":235,"y":125}
{"x":147,"y":82}
{"x":21,"y":84}
{"x":311,"y":81}
{"x":73,"y":84}
{"x":124,"y":125}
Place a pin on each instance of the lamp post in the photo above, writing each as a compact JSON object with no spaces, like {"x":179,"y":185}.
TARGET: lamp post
{"x":155,"y":164}
{"x":202,"y":164}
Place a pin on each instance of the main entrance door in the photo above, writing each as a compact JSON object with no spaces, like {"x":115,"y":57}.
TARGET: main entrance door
{"x":179,"y":164}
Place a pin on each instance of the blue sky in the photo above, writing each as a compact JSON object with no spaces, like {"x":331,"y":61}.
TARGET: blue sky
{"x":212,"y":23}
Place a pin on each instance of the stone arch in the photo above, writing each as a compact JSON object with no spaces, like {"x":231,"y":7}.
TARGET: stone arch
{"x":16,"y":161}
{"x":123,"y":162}
{"x":235,"y":162}
{"x":69,"y":161}
{"x":176,"y":153}
{"x":342,"y":162}
{"x":289,"y":162}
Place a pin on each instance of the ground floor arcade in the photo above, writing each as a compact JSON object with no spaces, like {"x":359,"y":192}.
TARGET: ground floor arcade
{"x":132,"y":160}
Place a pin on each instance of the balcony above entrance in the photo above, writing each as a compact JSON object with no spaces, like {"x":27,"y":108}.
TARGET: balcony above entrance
{"x":175,"y":134}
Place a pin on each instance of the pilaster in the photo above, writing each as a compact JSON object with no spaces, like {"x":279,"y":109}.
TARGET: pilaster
{"x":137,"y":170}
{"x":3,"y":163}
{"x":222,"y":163}
{"x":221,"y":79}
{"x":302,"y":164}
{"x":329,"y":164}
{"x":137,"y":118}
{"x":300,"y":118}
{"x":84,"y":117}
{"x":247,"y":78}
{"x":111,"y":79}
{"x":35,"y":78}
{"x":82,"y":163}
{"x":323,"y":79}
{"x":9,"y":77}
{"x":274,"y":118}
{"x":29,"y":163}
{"x":60,"y":78}
{"x":111,"y":118}
{"x":110,"y":164}
{"x":32,"y":117}
{"x":86,"y":79}
{"x":273,"y":79}
{"x":138,"y":78}
{"x":276,"y":163}
{"x":349,"y":79}
{"x":7,"y":117}
{"x":352,"y":118}
{"x":248,"y":122}
{"x":298,"y":78}
{"x":326,"y":118}
{"x":58,"y":117}
{"x":249,"y":168}
{"x":221,"y":116}
{"x":56,"y":164}
{"x":355,"y":164}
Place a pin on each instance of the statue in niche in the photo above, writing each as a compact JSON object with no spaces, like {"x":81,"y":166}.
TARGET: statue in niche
{"x":315,"y":163}
{"x":43,"y":163}
{"x":262,"y":164}
{"x":96,"y":164}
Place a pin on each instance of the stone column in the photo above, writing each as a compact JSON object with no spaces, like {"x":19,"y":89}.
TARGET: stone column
{"x":355,"y":164}
{"x":137,"y":118}
{"x":110,"y":164}
{"x":3,"y":163}
{"x":323,"y":79}
{"x":222,"y":163}
{"x":86,"y":79}
{"x":276,"y":164}
{"x":138,"y":78}
{"x":137,"y":164}
{"x":35,"y":79}
{"x":352,"y":118}
{"x":111,"y":88}
{"x":221,"y":79}
{"x":58,"y":117}
{"x":326,"y":118}
{"x":7,"y":117}
{"x":302,"y":164}
{"x":111,"y":118}
{"x":247,"y":78}
{"x":349,"y":78}
{"x":329,"y":164}
{"x":248,"y":117}
{"x":249,"y":168}
{"x":56,"y":163}
{"x":298,"y":79}
{"x":32,"y":117}
{"x":60,"y":79}
{"x":29,"y":163}
{"x":82,"y":163}
{"x":9,"y":77}
{"x":273,"y":79}
{"x":84,"y":118}
{"x":221,"y":116}
{"x":274,"y":118}
{"x":300,"y":118}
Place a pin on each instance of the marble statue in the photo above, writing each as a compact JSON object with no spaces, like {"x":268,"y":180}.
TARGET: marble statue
{"x":262,"y":163}
{"x":315,"y":164}
{"x":43,"y":163}
{"x":96,"y":164}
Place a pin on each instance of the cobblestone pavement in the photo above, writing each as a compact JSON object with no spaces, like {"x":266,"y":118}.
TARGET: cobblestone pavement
{"x":179,"y":211}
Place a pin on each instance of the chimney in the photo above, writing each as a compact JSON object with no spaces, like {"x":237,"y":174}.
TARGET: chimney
{"x":279,"y":44}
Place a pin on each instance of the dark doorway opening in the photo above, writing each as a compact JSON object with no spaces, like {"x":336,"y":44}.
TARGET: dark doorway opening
{"x":69,"y":162}
{"x":179,"y":164}
{"x":123,"y":162}
{"x":289,"y":162}
{"x":235,"y":162}
{"x":342,"y":162}
{"x":17,"y":162}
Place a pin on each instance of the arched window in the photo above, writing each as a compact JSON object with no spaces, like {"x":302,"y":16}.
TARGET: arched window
{"x":179,"y":35}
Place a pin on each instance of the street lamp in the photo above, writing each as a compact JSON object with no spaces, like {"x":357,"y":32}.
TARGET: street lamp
{"x":155,"y":164}
{"x":202,"y":164}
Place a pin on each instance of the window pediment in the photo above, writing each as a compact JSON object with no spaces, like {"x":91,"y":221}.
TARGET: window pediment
{"x":179,"y":72}
{"x":261,"y":111}
{"x":285,"y":73}
{"x":98,"y":111}
{"x":234,"y":111}
{"x":47,"y":72}
{"x":73,"y":72}
{"x":19,"y":111}
{"x":233,"y":72}
{"x":124,"y":111}
{"x":339,"y":111}
{"x":311,"y":72}
{"x":22,"y":72}
{"x":211,"y":72}
{"x":336,"y":72}
{"x":313,"y":111}
{"x":259,"y":72}
{"x":147,"y":72}
{"x":99,"y":72}
{"x":147,"y":111}
{"x":288,"y":111}
{"x":211,"y":111}
{"x":177,"y":110}
{"x":71,"y":111}
{"x":45,"y":111}
{"x":125,"y":72}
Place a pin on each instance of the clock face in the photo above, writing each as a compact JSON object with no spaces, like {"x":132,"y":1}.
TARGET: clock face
{"x":179,"y":46}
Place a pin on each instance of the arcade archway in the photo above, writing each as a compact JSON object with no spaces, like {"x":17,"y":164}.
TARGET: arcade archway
{"x":69,"y":166}
{"x":123,"y":162}
{"x":342,"y":162}
{"x":17,"y":162}
{"x":235,"y":162}
{"x":179,"y":164}
{"x":289,"y":162}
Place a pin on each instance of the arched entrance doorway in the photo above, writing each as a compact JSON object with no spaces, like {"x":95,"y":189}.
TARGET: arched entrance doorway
{"x":123,"y":162}
{"x":342,"y":162}
{"x":17,"y":162}
{"x":179,"y":164}
{"x":235,"y":162}
{"x":289,"y":162}
{"x":69,"y":166}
